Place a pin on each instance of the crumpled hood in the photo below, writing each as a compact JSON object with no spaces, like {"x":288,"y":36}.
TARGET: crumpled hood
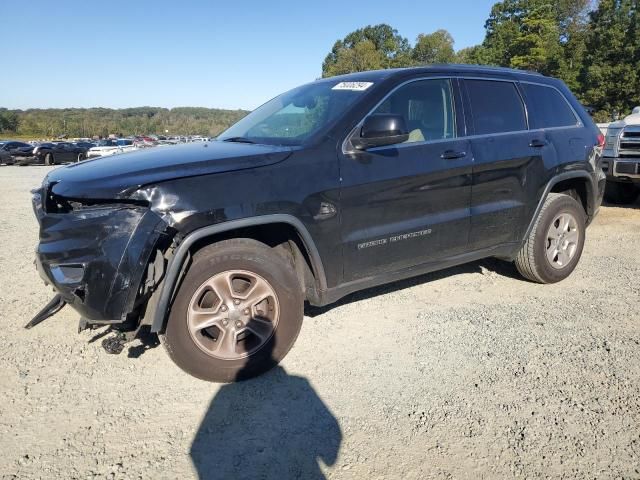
{"x":110,"y":177}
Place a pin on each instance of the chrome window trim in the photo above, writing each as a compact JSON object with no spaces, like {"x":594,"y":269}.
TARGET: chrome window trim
{"x":346,"y":151}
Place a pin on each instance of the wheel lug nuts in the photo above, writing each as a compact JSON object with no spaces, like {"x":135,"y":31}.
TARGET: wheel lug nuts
{"x":246,"y":311}
{"x":225,"y":322}
{"x":236,"y":301}
{"x":223,"y":308}
{"x":238,"y":324}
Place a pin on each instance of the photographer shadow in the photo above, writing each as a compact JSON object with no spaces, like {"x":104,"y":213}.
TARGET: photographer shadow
{"x":271,"y":427}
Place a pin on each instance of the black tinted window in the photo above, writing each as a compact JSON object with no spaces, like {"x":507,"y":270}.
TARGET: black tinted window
{"x":496,"y":107}
{"x":427,"y":107}
{"x":547,"y":107}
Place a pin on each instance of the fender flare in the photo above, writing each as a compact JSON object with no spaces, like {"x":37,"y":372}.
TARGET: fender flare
{"x":555,"y":180}
{"x":176,"y":262}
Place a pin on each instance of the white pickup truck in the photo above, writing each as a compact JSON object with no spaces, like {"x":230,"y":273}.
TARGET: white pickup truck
{"x":111,"y":147}
{"x":621,"y":159}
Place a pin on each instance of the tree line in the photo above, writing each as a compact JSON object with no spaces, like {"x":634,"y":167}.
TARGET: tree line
{"x":594,"y":46}
{"x":89,"y":122}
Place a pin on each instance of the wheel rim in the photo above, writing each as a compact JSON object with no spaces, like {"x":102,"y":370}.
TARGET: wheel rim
{"x":233,"y":314}
{"x":562,"y":240}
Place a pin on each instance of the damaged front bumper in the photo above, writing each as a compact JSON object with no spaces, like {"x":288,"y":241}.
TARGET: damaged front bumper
{"x":95,"y":255}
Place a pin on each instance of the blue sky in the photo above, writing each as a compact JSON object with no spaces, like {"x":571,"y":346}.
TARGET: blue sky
{"x":232,"y":54}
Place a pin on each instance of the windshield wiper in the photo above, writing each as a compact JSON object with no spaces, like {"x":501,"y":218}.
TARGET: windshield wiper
{"x":238,"y":140}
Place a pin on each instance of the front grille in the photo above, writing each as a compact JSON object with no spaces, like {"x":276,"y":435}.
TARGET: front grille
{"x":630,"y":142}
{"x":627,"y":167}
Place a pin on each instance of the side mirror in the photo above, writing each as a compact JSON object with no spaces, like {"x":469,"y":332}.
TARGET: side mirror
{"x":381,"y":129}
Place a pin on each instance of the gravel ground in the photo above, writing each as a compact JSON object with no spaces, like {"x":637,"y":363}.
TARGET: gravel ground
{"x":467,"y":373}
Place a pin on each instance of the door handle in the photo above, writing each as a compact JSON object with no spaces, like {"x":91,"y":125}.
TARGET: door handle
{"x":535,"y":143}
{"x":452,"y":154}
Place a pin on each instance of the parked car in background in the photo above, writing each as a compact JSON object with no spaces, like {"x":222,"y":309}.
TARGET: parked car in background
{"x":51,"y":153}
{"x":86,"y":145}
{"x":111,"y":146}
{"x":621,"y":161}
{"x":5,"y":158}
{"x":10,"y":149}
{"x":144,"y":142}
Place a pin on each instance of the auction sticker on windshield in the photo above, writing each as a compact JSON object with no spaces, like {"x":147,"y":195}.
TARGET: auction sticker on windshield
{"x":354,"y":86}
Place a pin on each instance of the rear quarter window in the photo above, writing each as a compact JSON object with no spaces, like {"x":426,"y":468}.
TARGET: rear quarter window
{"x":547,"y":107}
{"x":496,"y":107}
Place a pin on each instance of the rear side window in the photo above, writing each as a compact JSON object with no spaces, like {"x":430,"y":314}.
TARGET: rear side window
{"x":548,"y":107}
{"x":496,"y":107}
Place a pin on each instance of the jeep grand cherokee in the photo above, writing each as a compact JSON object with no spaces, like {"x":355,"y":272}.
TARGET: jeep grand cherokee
{"x":332,"y":187}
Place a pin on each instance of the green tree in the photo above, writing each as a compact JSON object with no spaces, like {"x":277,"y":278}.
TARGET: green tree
{"x":542,"y":35}
{"x":361,"y":57}
{"x":537,"y":44}
{"x":436,"y":47}
{"x":475,"y":55}
{"x":610,"y":74}
{"x":9,"y":121}
{"x":371,"y":47}
{"x":87,"y":122}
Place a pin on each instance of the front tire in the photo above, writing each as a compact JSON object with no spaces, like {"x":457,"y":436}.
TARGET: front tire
{"x":237,"y":313}
{"x":81,"y":157}
{"x":621,"y":193}
{"x":48,"y":159}
{"x":554,"y":246}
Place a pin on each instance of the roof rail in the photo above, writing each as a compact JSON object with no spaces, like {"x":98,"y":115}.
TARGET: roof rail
{"x":492,"y":68}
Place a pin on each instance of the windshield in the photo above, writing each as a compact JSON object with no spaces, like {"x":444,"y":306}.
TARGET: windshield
{"x":296,"y":115}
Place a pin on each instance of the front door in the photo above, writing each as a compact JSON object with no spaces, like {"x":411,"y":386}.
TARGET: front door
{"x":407,"y":204}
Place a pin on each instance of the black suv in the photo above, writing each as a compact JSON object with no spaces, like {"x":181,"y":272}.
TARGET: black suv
{"x":51,"y":153}
{"x":332,"y":187}
{"x":9,"y":150}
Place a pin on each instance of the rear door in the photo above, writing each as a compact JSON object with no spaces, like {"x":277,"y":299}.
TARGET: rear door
{"x":555,"y":121}
{"x":407,"y":204}
{"x":508,"y":164}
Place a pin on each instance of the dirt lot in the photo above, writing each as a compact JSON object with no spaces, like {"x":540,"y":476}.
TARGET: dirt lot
{"x":468,"y":373}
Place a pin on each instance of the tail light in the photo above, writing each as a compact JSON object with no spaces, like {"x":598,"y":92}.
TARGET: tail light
{"x":601,"y":140}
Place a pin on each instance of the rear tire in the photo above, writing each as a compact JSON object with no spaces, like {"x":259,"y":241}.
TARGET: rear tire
{"x":554,"y":245}
{"x":621,"y":193}
{"x":48,"y":159}
{"x":81,"y":157}
{"x":227,"y":349}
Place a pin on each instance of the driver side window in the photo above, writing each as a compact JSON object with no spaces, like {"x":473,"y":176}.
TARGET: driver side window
{"x":427,"y":107}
